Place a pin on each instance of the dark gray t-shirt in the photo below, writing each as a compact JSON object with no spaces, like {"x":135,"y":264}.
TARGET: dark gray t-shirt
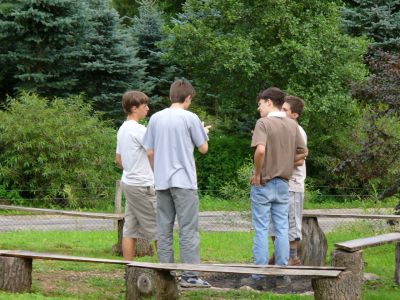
{"x":173,"y":133}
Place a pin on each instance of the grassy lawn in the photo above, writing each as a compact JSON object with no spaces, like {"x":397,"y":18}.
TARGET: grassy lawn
{"x":67,"y":280}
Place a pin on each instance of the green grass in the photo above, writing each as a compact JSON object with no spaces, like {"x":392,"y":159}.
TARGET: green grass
{"x":215,"y":247}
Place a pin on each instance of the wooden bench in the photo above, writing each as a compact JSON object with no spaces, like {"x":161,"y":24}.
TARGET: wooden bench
{"x":313,"y":247}
{"x":352,"y":251}
{"x":145,"y":280}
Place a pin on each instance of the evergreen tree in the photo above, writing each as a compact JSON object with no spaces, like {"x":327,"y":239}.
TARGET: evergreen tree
{"x":110,"y":66}
{"x":7,"y":70}
{"x":147,"y":31}
{"x":46,"y":37}
{"x":379,"y":20}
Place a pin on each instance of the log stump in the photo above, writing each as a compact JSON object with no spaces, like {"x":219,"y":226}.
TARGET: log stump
{"x":143,"y":247}
{"x":341,"y":288}
{"x":15,"y":274}
{"x":313,"y":247}
{"x":397,"y":270}
{"x":142,"y":283}
{"x":348,"y":286}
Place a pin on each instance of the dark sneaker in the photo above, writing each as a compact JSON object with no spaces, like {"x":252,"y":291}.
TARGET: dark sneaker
{"x":193,"y":282}
{"x":256,"y":284}
{"x":282,"y":281}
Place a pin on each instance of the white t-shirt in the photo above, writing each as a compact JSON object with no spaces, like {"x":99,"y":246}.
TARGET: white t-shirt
{"x":137,"y":170}
{"x":296,"y":182}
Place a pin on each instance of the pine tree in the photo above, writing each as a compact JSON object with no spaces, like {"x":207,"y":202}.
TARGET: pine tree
{"x":46,"y":37}
{"x":147,"y":30}
{"x":7,"y":70}
{"x":110,"y":66}
{"x":379,"y":20}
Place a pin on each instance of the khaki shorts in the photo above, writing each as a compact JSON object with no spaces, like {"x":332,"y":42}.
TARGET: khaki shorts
{"x":140,"y":212}
{"x":295,"y":217}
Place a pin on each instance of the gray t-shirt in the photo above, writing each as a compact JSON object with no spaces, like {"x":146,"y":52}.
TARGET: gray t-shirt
{"x":173,"y":133}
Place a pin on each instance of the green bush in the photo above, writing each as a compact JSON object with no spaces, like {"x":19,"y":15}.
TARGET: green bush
{"x":219,"y":166}
{"x":57,"y":152}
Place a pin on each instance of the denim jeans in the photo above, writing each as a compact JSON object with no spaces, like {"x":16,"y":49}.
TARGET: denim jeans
{"x":271,"y":200}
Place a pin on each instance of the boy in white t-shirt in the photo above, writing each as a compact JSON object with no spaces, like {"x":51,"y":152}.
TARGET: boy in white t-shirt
{"x":293,"y":107}
{"x":137,"y":177}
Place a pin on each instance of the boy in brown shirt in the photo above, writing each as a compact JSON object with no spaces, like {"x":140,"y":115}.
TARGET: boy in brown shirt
{"x":276,"y":140}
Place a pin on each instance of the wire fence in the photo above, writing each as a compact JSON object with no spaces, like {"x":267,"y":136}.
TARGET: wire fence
{"x":111,"y":200}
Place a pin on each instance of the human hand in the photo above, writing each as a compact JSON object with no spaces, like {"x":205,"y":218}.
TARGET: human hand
{"x":255,"y":180}
{"x":206,"y":128}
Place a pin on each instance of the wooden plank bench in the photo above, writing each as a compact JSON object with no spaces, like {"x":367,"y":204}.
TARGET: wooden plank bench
{"x":346,"y":251}
{"x":145,"y":280}
{"x":313,"y":247}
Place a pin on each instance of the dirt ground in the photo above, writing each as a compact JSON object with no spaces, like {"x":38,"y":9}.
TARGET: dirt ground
{"x":80,"y":283}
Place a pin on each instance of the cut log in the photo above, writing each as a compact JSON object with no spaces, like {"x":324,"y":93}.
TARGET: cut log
{"x":313,"y":247}
{"x":349,"y":284}
{"x":143,"y":247}
{"x":142,"y":283}
{"x":341,"y":288}
{"x":15,"y":274}
{"x":397,"y":270}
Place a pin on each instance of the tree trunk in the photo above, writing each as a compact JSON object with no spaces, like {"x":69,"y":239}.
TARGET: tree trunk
{"x":143,"y":247}
{"x":348,"y":286}
{"x":313,"y":247}
{"x":144,"y":283}
{"x":397,"y":270}
{"x":341,"y":288}
{"x":15,"y":274}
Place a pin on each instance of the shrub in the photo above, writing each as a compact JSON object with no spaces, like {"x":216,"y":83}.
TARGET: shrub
{"x":56,"y":151}
{"x":219,"y":166}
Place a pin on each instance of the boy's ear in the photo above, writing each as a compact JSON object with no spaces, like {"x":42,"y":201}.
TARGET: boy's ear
{"x":295,"y":115}
{"x":188,"y":98}
{"x":133,"y":109}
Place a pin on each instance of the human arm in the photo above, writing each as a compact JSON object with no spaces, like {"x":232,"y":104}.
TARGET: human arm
{"x":203,"y":149}
{"x":118,"y":160}
{"x":300,"y":158}
{"x":259,"y":155}
{"x":150,"y":155}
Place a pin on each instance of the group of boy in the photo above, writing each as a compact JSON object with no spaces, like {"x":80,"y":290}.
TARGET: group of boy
{"x":159,"y":176}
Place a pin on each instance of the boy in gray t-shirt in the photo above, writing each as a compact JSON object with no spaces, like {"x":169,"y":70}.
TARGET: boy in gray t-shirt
{"x":171,"y":136}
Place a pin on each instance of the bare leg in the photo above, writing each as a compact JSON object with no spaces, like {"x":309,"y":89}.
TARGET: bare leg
{"x":129,"y":248}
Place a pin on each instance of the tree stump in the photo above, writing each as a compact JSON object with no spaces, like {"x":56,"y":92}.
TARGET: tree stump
{"x":15,"y":274}
{"x":143,"y":247}
{"x":348,"y":286}
{"x":144,"y":283}
{"x":313,"y":247}
{"x":397,"y":270}
{"x":341,"y":288}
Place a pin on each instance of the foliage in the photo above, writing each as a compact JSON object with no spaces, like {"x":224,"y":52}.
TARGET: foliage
{"x":377,"y":161}
{"x":110,"y":65}
{"x":56,"y":150}
{"x":147,"y":32}
{"x":46,"y":38}
{"x":219,"y":167}
{"x":233,"y":49}
{"x":131,"y":8}
{"x":378,"y":20}
{"x":239,"y":189}
{"x":12,"y":197}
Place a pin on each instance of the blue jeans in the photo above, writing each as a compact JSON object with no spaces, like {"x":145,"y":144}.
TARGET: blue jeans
{"x":271,"y":200}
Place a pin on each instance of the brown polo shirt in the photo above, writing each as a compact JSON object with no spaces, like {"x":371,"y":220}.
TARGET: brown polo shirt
{"x":282,"y":138}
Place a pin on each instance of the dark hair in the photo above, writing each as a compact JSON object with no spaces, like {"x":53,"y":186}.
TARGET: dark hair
{"x":133,"y":98}
{"x":296,"y":104}
{"x":274,"y":94}
{"x":180,"y":90}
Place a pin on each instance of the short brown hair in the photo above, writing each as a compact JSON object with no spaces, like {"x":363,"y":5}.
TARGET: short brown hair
{"x":180,"y":90}
{"x":133,"y":98}
{"x":274,"y":94}
{"x":296,"y":104}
